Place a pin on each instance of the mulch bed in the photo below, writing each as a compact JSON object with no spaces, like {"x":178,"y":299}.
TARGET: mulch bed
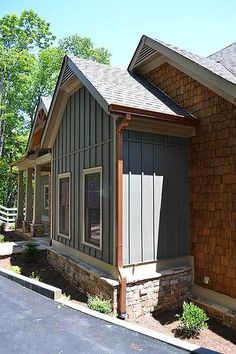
{"x":47,"y":274}
{"x":11,"y":236}
{"x":217,"y":337}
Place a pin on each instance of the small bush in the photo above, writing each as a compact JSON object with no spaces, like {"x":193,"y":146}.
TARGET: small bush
{"x":2,"y":227}
{"x":2,"y":238}
{"x":15,"y":269}
{"x":36,"y":276}
{"x":30,"y":252}
{"x":95,"y":303}
{"x":193,"y":319}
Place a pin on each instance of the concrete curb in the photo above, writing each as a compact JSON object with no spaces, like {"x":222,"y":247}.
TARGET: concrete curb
{"x":32,"y":284}
{"x":147,"y":332}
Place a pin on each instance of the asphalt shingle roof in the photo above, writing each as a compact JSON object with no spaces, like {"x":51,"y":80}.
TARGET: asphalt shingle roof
{"x":208,"y":63}
{"x":118,"y":86}
{"x":226,"y":57}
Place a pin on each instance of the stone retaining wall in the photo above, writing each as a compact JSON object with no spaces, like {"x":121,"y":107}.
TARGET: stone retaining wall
{"x":86,"y":278}
{"x":219,"y":313}
{"x":164,"y":290}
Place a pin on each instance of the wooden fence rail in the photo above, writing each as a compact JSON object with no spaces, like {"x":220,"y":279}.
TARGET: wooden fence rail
{"x":7,"y":215}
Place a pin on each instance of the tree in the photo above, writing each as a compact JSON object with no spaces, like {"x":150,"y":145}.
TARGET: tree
{"x":84,"y":48}
{"x":21,"y":37}
{"x":29,"y":68}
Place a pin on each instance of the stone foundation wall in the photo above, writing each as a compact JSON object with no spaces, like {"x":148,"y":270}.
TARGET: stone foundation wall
{"x":37,"y":230}
{"x":219,"y":313}
{"x":86,"y":278}
{"x":165,"y":290}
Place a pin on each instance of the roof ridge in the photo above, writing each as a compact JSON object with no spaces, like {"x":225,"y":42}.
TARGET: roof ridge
{"x":229,"y":45}
{"x":95,"y":62}
{"x":193,"y":56}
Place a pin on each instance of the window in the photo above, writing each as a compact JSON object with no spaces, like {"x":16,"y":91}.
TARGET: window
{"x":46,"y":197}
{"x":92,"y":187}
{"x":64,"y":204}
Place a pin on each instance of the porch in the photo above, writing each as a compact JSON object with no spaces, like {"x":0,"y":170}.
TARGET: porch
{"x":33,"y":203}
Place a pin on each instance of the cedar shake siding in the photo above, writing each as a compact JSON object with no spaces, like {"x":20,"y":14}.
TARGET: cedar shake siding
{"x":85,"y":139}
{"x":212,"y":180}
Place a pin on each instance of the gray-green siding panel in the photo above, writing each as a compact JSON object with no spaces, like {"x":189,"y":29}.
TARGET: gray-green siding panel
{"x":155,"y":197}
{"x":44,"y":182}
{"x":85,"y":140}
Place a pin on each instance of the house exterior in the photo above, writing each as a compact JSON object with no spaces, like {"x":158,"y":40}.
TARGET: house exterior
{"x":134,"y":171}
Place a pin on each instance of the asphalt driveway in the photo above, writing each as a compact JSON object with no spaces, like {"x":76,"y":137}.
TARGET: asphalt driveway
{"x":31,"y":323}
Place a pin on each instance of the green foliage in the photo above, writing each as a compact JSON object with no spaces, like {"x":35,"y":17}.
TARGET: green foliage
{"x":84,"y":48}
{"x":25,"y":31}
{"x":21,"y":37}
{"x":15,"y":269}
{"x":30,"y":252}
{"x":35,"y":275}
{"x":193,"y":319}
{"x":29,"y":68}
{"x":95,"y":303}
{"x":2,"y":238}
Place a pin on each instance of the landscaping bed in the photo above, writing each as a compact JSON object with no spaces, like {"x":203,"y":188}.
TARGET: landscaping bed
{"x":10,"y":236}
{"x":217,"y":337}
{"x":41,"y":270}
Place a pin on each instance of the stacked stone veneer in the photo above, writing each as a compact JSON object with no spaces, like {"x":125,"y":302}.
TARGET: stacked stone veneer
{"x":165,"y":290}
{"x":212,"y":178}
{"x":86,"y":278}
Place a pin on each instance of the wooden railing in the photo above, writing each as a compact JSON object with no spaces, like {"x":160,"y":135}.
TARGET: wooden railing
{"x":7,"y":215}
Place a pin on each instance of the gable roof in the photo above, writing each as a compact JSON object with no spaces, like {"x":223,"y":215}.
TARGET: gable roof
{"x":116,"y":90}
{"x":46,"y":100}
{"x":205,"y":70}
{"x":119,"y":87}
{"x":226,"y":57}
{"x":37,"y":127}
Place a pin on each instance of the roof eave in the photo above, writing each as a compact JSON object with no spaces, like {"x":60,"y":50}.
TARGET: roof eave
{"x":183,"y":120}
{"x":213,"y":81}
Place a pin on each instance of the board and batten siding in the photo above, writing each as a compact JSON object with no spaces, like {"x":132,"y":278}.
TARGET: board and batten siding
{"x":155,"y":193}
{"x":44,"y":182}
{"x":85,"y":139}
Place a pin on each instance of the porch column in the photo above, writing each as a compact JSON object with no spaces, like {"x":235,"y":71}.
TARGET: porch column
{"x":37,"y":227}
{"x":20,"y":204}
{"x":28,"y":200}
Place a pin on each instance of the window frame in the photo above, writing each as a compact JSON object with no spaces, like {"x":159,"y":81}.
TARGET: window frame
{"x":44,"y":195}
{"x":86,"y":172}
{"x":59,"y":177}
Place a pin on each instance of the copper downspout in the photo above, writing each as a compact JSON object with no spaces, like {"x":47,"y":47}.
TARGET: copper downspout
{"x":119,"y":247}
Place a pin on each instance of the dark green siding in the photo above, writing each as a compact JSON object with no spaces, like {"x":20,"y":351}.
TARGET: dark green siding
{"x":85,"y":140}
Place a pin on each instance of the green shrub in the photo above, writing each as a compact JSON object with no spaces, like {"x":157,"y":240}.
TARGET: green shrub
{"x":193,"y":319}
{"x":95,"y":303}
{"x":36,"y":276}
{"x":30,"y":252}
{"x":2,"y":238}
{"x":15,"y":269}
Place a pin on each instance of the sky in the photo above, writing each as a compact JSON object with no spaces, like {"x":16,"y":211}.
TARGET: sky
{"x":202,"y":26}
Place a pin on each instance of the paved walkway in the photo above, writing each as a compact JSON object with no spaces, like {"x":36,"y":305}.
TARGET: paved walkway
{"x":31,"y":323}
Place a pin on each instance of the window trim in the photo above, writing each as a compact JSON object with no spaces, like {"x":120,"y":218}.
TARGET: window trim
{"x":59,"y":177}
{"x":85,"y":172}
{"x":44,"y":199}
